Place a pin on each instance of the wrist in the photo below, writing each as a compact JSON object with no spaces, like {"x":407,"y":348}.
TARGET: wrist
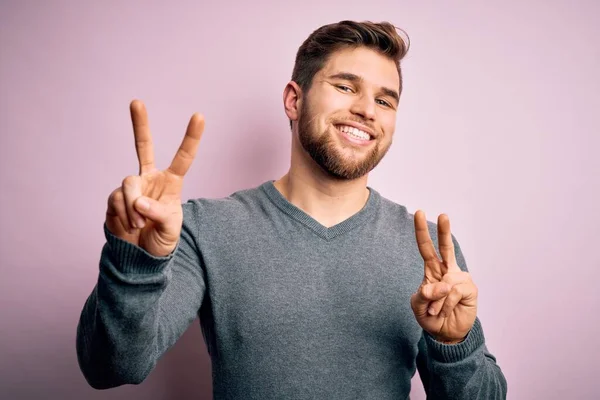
{"x":452,"y":353}
{"x":449,"y":341}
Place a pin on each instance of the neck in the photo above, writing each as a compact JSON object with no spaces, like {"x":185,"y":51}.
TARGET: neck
{"x":329,"y":201}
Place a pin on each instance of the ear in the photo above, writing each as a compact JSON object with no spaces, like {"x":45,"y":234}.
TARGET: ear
{"x":292,"y":100}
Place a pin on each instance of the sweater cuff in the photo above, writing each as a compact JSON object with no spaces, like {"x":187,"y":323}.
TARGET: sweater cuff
{"x":131,"y":259}
{"x":450,"y":353}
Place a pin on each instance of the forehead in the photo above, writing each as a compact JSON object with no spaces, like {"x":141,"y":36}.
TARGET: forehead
{"x":373,"y":67}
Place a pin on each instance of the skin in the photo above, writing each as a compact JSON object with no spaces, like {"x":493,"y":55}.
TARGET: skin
{"x":445,"y":305}
{"x":327,"y":179}
{"x":145,"y":209}
{"x":330,"y":100}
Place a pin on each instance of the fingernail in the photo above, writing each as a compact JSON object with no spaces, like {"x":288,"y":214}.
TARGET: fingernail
{"x":140,"y":223}
{"x":431,"y":311}
{"x":144,"y":205}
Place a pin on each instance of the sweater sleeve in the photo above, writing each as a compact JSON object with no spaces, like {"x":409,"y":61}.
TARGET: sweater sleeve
{"x":466,"y":370}
{"x":139,"y":307}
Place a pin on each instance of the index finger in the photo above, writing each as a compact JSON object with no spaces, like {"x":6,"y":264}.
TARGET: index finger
{"x":424,"y":242}
{"x":143,"y":138}
{"x":187,"y":151}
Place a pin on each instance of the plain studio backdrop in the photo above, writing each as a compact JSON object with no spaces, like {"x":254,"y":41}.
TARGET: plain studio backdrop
{"x":497,"y":127}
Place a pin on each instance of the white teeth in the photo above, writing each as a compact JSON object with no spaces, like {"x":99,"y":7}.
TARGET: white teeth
{"x":354,"y":132}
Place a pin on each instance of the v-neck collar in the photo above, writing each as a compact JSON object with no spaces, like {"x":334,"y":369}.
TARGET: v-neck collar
{"x":365,"y":213}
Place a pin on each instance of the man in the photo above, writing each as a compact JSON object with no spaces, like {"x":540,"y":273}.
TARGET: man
{"x":312,"y":286}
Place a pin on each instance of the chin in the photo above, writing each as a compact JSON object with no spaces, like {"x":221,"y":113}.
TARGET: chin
{"x":338,"y":159}
{"x":345,"y":169}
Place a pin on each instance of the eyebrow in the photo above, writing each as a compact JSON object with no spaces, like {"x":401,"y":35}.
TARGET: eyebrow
{"x":347,"y":76}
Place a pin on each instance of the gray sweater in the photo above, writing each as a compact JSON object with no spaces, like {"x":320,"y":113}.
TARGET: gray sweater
{"x":289,"y":309}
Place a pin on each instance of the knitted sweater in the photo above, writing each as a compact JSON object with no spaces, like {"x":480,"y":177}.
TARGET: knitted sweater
{"x":289,"y":309}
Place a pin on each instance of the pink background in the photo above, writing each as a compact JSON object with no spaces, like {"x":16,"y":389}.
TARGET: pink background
{"x":498,"y":127}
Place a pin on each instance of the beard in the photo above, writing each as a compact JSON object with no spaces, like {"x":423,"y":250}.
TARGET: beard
{"x":324,"y":150}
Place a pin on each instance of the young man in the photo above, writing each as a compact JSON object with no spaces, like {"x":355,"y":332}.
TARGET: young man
{"x":312,"y":286}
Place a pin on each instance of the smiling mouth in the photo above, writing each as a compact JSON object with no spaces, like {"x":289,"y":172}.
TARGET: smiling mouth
{"x":354,"y":133}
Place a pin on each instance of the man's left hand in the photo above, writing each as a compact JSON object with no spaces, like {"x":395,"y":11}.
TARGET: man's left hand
{"x":445,"y":305}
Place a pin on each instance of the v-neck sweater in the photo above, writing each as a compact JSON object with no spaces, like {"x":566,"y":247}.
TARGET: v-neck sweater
{"x":327,"y":233}
{"x":289,"y":308}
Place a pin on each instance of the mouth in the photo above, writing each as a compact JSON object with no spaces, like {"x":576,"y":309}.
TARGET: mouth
{"x":354,"y":134}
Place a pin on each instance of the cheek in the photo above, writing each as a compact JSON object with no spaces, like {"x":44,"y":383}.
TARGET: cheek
{"x":339,"y":101}
{"x":388,"y":124}
{"x":333,"y":104}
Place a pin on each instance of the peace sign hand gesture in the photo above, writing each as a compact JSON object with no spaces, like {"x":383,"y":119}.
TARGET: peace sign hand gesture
{"x":146,"y":209}
{"x":445,"y":305}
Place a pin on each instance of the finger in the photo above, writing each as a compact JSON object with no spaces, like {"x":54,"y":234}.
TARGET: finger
{"x":428,"y":293}
{"x":445,"y":240}
{"x":436,"y":306}
{"x":132,"y":189}
{"x":424,"y":242}
{"x":463,"y":291}
{"x":152,"y":209}
{"x":435,"y":294}
{"x":143,"y":139}
{"x":187,"y":151}
{"x":434,"y":268}
{"x":116,"y":210}
{"x":452,"y":279}
{"x":434,"y":291}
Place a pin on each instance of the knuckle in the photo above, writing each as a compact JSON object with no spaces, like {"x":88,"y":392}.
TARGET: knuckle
{"x":118,"y":209}
{"x":115,"y":197}
{"x":146,"y":165}
{"x":185,"y":154}
{"x":456,"y":290}
{"x":129,"y":182}
{"x":454,"y":297}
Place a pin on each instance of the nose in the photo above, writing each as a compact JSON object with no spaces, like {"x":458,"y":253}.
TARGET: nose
{"x":364,"y":106}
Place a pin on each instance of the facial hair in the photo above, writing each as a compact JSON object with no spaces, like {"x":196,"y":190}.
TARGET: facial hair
{"x":324,"y":150}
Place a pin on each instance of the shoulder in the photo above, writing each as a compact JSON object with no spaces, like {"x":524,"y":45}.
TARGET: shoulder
{"x":236,"y":206}
{"x":399,"y":214}
{"x":240,"y":208}
{"x":395,"y":212}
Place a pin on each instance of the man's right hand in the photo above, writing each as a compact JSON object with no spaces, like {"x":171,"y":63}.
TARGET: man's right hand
{"x":146,"y":209}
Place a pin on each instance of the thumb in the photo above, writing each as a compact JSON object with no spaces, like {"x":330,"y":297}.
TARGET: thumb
{"x":151,"y":209}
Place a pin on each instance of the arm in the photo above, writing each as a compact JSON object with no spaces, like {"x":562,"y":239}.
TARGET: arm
{"x":139,"y":307}
{"x":466,"y":370}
